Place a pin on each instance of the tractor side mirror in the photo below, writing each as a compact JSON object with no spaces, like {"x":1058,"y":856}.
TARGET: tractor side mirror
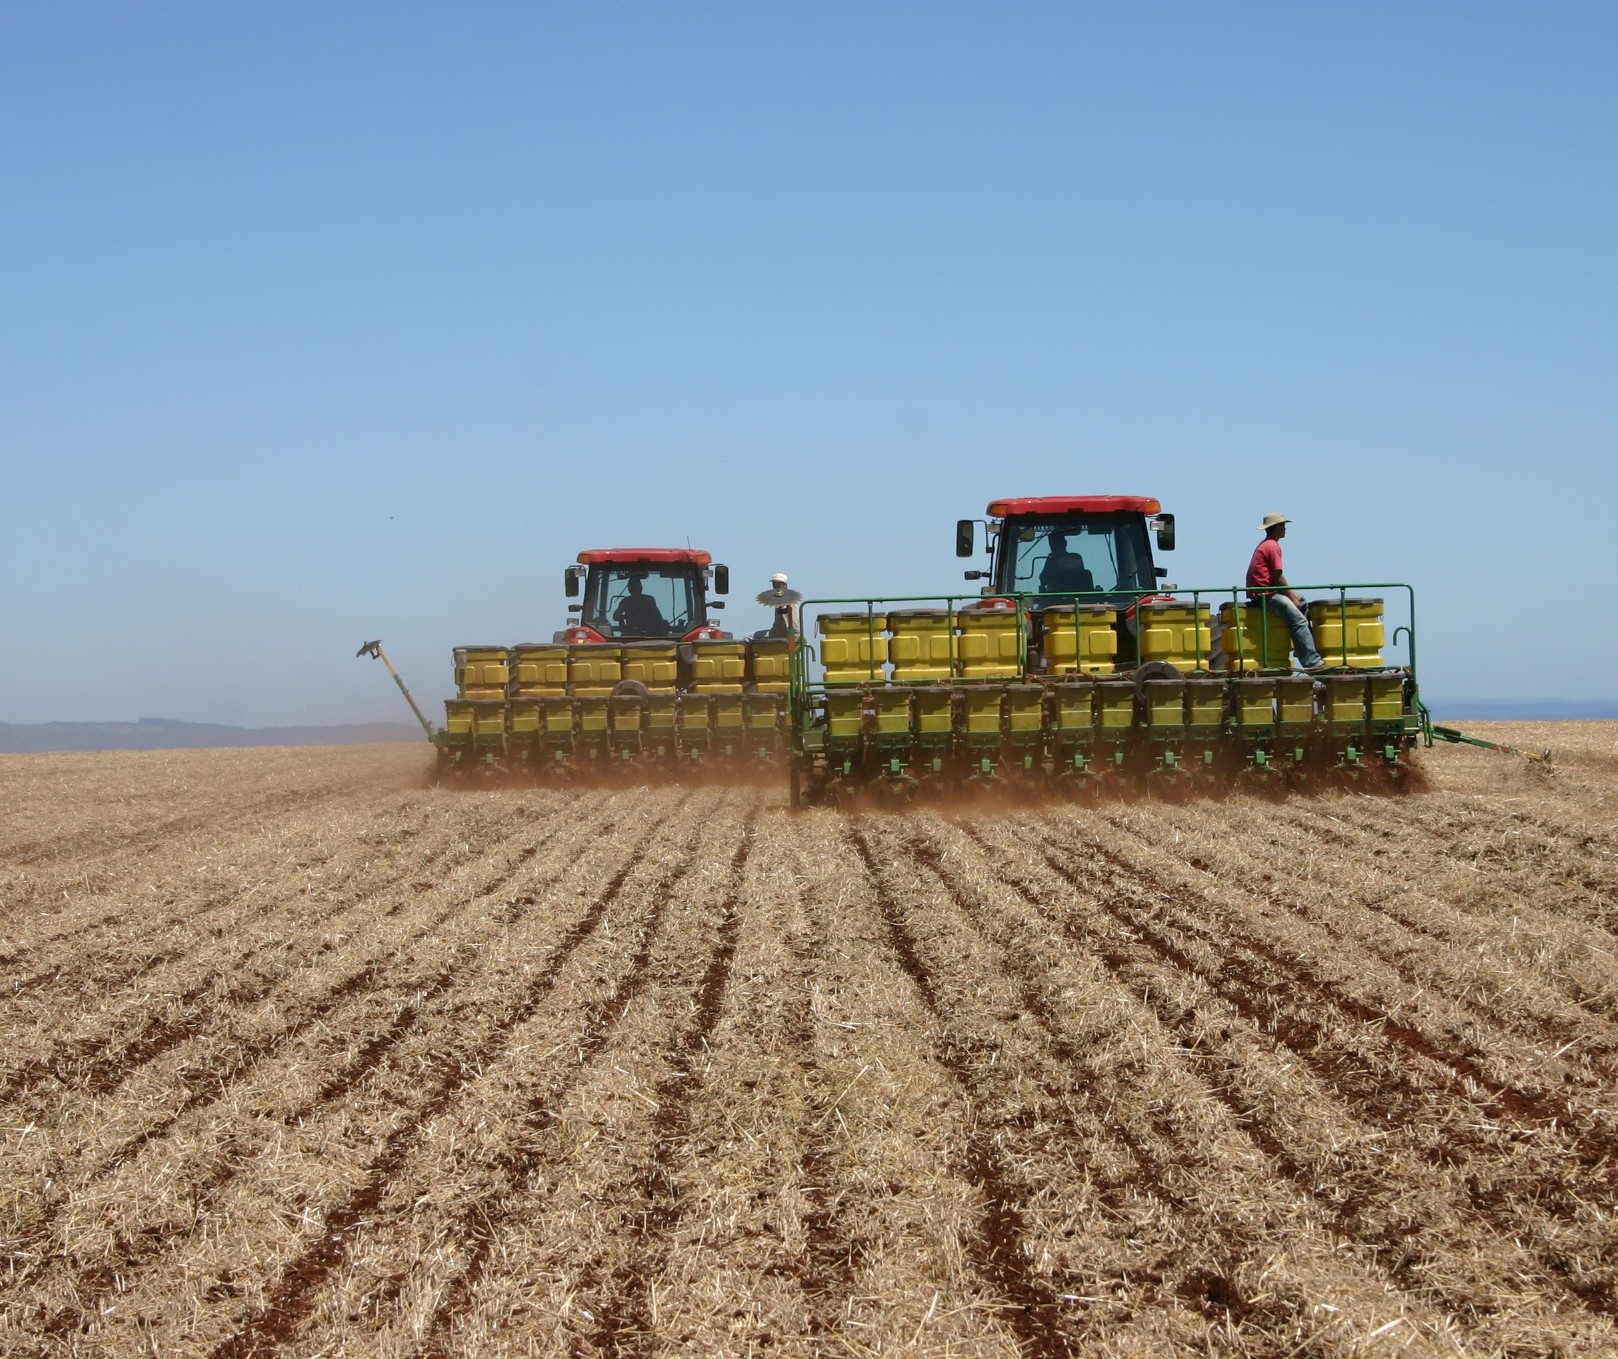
{"x":1164,"y":524}
{"x":964,"y":537}
{"x":716,"y":603}
{"x":570,"y":581}
{"x":721,"y":578}
{"x":575,"y":608}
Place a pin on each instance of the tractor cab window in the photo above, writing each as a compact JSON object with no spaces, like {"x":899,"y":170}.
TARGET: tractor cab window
{"x":641,"y":600}
{"x":1098,"y":554}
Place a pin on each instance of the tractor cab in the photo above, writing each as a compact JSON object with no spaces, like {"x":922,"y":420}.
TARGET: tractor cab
{"x":1098,"y":547}
{"x":643,"y":594}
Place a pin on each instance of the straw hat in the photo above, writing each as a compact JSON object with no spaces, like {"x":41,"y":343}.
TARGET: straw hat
{"x":778,"y":594}
{"x":1271,"y":520}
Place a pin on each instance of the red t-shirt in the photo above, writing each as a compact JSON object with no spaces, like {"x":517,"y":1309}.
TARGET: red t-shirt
{"x":1265,"y":568}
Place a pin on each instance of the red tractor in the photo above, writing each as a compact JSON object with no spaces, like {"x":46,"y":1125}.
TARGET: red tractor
{"x":641,"y":674}
{"x":644,"y":594}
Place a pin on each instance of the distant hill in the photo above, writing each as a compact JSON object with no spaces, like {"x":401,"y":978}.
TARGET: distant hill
{"x":160,"y":733}
{"x":1523,"y":710}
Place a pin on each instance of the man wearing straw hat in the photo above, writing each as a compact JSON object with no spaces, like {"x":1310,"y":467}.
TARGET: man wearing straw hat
{"x":1267,"y":585}
{"x":785,"y":603}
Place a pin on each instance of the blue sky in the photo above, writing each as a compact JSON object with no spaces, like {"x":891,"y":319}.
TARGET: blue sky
{"x":321,"y":322}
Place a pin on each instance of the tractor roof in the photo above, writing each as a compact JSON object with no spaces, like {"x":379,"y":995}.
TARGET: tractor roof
{"x":1074,"y":504}
{"x":693,"y":556}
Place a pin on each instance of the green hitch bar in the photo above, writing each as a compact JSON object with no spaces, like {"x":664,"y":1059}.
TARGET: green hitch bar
{"x":1461,"y":738}
{"x":375,"y":649}
{"x":1434,"y":732}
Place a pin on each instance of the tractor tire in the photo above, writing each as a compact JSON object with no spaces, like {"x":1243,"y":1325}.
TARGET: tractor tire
{"x":630,"y":689}
{"x":1153,"y":670}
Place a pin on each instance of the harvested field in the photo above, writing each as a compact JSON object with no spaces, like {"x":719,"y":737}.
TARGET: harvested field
{"x":304,"y":1057}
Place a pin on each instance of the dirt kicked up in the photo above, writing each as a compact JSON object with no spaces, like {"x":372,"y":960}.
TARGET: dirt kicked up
{"x":299,"y":1056}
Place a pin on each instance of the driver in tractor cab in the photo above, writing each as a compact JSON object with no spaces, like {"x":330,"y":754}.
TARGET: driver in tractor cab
{"x":637,"y":614}
{"x":1064,"y":572}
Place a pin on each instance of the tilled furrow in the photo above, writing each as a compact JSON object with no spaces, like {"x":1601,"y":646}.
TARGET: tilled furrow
{"x":1427,"y":954}
{"x":1503,"y":848}
{"x":1148,"y":1171}
{"x":1348,"y":1181}
{"x":501,"y":1141}
{"x":1281,"y":1013}
{"x":221,"y":816}
{"x":1084,"y":1099}
{"x":1257,"y":965}
{"x":440,"y":1085}
{"x":133,"y":941}
{"x":213,"y":1083}
{"x":98,"y":1063}
{"x":180,"y":918}
{"x":1033,"y":1310}
{"x":302,"y":1055}
{"x":822,"y":1201}
{"x":626,"y":1322}
{"x":1482,"y":842}
{"x":388,"y":975}
{"x":618,"y":1298}
{"x":736,"y":1233}
{"x":827,"y":1269}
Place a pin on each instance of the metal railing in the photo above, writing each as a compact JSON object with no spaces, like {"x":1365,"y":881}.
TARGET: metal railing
{"x":1106,"y":609}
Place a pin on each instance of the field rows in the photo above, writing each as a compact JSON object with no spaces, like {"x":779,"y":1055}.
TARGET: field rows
{"x":300,"y":1056}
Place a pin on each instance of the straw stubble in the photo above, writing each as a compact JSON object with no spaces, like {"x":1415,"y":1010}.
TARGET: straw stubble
{"x":304,"y":1056}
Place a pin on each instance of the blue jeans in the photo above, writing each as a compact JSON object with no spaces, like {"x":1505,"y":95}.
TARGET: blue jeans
{"x":1303,"y":640}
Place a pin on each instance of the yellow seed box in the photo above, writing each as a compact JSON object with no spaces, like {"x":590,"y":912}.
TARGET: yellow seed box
{"x":1174,"y":631}
{"x":1252,"y":637}
{"x":853,"y":646}
{"x":1082,"y":637}
{"x":923,"y":644}
{"x":1348,"y":631}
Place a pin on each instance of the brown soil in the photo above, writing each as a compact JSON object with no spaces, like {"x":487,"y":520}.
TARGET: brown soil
{"x":300,"y":1055}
